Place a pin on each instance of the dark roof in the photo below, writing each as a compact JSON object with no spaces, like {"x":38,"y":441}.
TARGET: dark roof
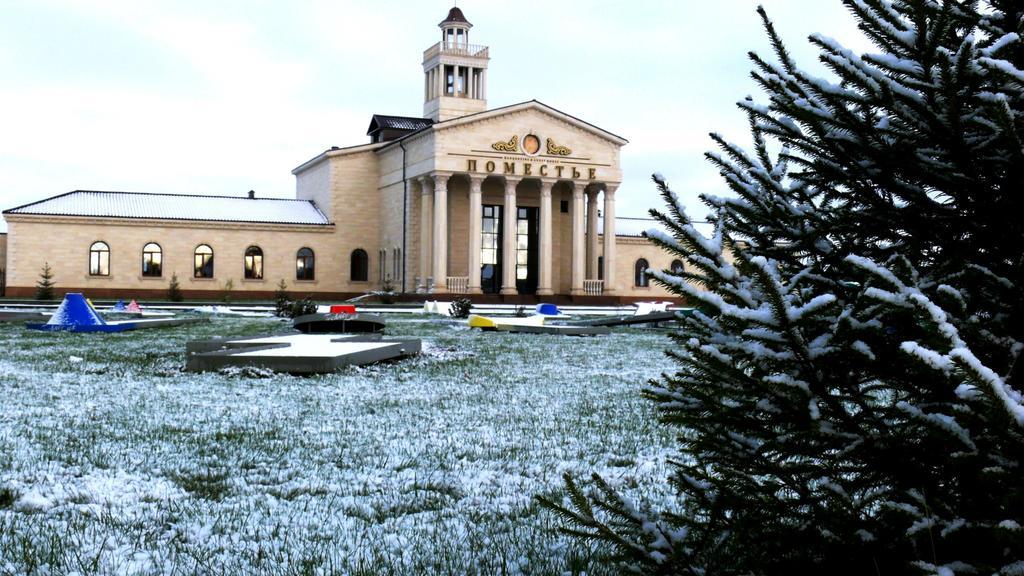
{"x":455,"y":15}
{"x":144,"y":205}
{"x":381,"y":122}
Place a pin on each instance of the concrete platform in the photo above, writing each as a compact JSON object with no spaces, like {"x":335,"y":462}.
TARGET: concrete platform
{"x":564,"y":330}
{"x":298,"y":353}
{"x":338,"y":323}
{"x":117,"y":326}
{"x":18,"y":316}
{"x":653,"y":318}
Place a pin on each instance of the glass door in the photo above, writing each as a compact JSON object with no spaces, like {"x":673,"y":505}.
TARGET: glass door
{"x":490,"y":250}
{"x":526,"y":250}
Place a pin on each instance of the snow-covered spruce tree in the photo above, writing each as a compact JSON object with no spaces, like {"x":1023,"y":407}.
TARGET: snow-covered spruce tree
{"x":849,"y":401}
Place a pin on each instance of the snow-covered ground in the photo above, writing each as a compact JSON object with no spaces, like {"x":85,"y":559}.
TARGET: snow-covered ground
{"x":114,"y":461}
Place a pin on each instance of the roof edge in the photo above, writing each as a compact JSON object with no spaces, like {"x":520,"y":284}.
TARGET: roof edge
{"x":179,"y":195}
{"x":336,"y":151}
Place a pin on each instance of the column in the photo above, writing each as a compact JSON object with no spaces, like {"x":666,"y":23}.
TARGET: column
{"x":475,"y":214}
{"x":426,"y":223}
{"x":456,"y":70}
{"x":483,"y":84}
{"x":546,"y":252}
{"x":440,"y":233}
{"x":592,"y":234}
{"x":609,"y":239}
{"x":578,"y":249}
{"x":509,"y":218}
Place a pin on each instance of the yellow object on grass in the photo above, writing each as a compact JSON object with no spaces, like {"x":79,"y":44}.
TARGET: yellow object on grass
{"x":492,"y":323}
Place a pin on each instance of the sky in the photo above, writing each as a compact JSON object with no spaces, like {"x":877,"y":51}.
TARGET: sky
{"x":201,"y":97}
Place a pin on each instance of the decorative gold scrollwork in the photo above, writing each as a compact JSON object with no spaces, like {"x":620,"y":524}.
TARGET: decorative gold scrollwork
{"x":556,"y":150}
{"x":511,"y":146}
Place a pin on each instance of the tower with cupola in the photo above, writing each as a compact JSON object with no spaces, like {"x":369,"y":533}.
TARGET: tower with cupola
{"x":455,"y":72}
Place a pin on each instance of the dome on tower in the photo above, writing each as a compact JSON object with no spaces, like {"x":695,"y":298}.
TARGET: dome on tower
{"x":455,"y":16}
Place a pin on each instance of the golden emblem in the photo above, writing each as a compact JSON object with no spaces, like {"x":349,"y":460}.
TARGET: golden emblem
{"x":510,"y":146}
{"x":556,"y":150}
{"x":531,"y":144}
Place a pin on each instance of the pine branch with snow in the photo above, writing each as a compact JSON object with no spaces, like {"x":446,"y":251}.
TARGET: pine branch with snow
{"x":849,"y":396}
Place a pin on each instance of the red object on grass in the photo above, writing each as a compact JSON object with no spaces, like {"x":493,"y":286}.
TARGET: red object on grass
{"x":343,"y":309}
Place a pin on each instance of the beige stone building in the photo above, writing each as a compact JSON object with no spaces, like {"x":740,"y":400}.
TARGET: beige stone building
{"x":514,"y":203}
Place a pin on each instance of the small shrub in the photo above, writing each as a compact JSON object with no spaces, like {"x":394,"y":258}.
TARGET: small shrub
{"x":44,"y":287}
{"x":174,"y":289}
{"x":520,"y":312}
{"x":303,"y":307}
{"x":229,"y":286}
{"x":282,"y":300}
{"x":460,"y":307}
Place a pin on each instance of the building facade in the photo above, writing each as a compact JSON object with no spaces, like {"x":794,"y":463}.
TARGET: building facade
{"x":514,"y":203}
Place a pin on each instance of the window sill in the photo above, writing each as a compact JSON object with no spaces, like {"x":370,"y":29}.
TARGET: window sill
{"x":106,"y":278}
{"x":151,"y":278}
{"x":253,"y":281}
{"x":314,"y":282}
{"x":193,"y":279}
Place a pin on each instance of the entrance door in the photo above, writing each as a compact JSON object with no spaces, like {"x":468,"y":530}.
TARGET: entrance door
{"x":526,"y":250}
{"x":490,"y":250}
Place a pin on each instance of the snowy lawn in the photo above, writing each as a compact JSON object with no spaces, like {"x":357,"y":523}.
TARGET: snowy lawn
{"x":114,"y":461}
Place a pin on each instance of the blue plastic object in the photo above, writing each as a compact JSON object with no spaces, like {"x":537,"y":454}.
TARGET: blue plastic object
{"x":119,"y":307}
{"x":75,"y":314}
{"x":547,"y":309}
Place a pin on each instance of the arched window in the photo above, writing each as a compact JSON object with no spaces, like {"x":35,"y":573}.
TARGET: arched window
{"x":253,"y":263}
{"x":152,"y":260}
{"x":359,"y":271}
{"x":305,"y":264}
{"x":640,"y":273}
{"x":99,"y":259}
{"x":203,"y":262}
{"x":676,"y":267}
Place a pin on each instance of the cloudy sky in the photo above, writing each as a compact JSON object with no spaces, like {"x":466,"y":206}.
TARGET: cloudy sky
{"x":200,"y":97}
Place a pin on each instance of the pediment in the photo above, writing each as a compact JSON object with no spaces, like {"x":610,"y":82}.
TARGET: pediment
{"x":533,"y":140}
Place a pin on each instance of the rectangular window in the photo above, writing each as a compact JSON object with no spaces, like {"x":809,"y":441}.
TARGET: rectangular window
{"x":522,"y":244}
{"x":489,"y":236}
{"x":565,"y":206}
{"x":253,"y":266}
{"x":151,"y":264}
{"x":99,"y":263}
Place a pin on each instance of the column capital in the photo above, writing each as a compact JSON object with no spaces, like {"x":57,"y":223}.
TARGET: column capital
{"x":476,"y":179}
{"x":426,"y":185}
{"x":611,"y":187}
{"x":545,"y":188}
{"x":577,"y":192}
{"x":510,"y":185}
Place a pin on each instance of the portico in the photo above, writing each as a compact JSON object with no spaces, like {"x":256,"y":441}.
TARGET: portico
{"x":519,"y":243}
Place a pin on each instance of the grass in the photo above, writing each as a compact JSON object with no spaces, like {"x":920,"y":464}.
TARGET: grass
{"x":418,"y":467}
